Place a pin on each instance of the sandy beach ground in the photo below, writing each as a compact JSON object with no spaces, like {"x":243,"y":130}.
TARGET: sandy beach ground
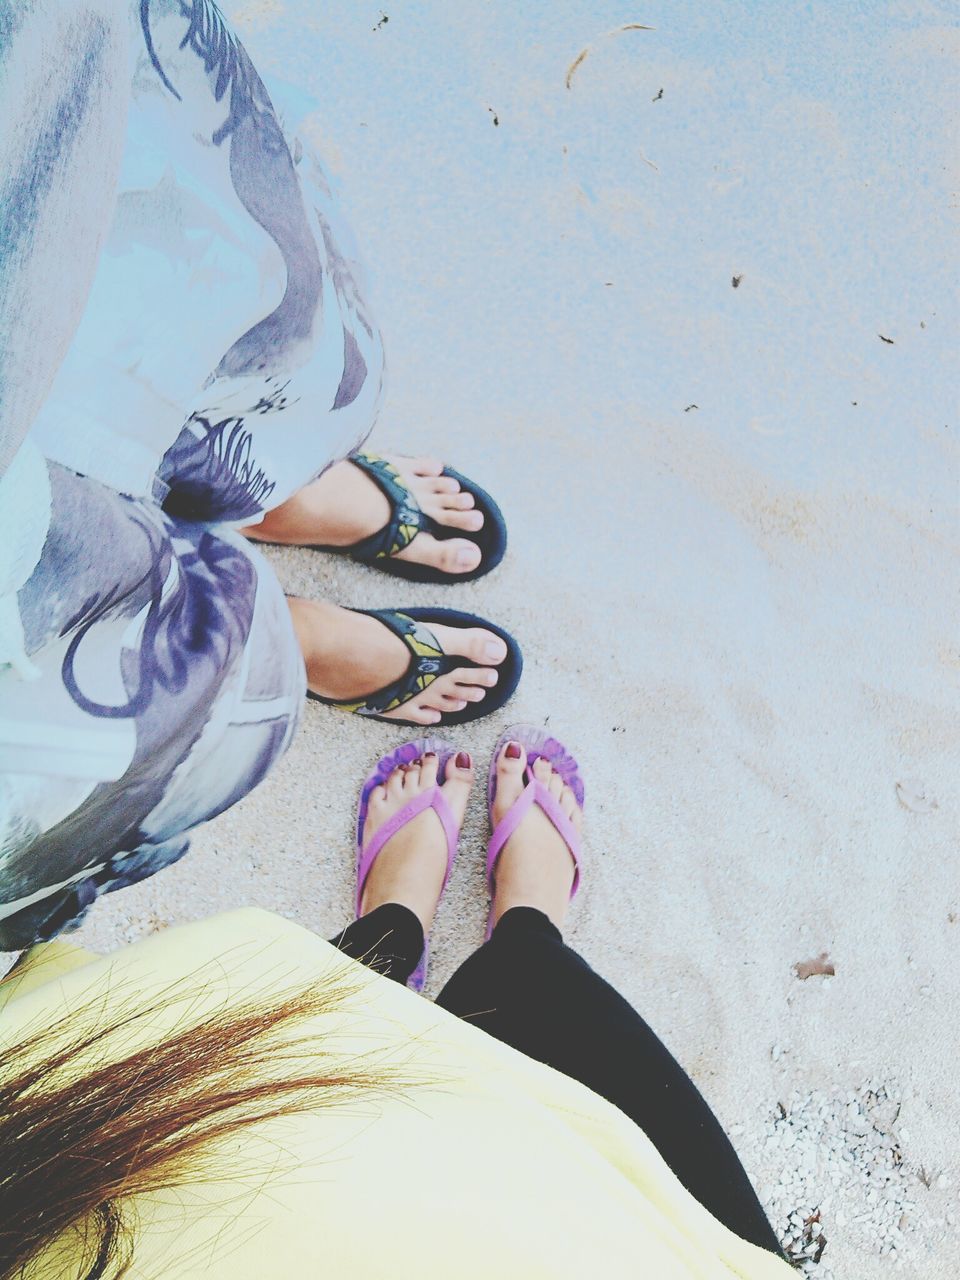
{"x":683,"y":300}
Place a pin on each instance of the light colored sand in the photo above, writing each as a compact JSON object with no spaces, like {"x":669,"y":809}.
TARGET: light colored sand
{"x":743,"y":617}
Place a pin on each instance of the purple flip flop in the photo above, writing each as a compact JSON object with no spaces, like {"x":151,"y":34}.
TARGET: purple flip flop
{"x":537,"y":743}
{"x":432,"y":799}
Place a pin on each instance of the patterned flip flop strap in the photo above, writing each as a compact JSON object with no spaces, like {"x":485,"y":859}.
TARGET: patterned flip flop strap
{"x":407,"y":518}
{"x":427,"y":663}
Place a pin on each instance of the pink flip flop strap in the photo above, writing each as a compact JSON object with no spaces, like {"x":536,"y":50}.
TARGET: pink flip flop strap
{"x":535,"y":793}
{"x":432,"y":799}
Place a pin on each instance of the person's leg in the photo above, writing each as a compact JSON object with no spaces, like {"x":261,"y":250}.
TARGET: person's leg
{"x":530,"y":990}
{"x":168,"y":682}
{"x":388,"y":939}
{"x":403,"y":886}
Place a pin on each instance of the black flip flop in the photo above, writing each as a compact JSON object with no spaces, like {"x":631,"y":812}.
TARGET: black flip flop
{"x":407,"y":519}
{"x":428,"y":661}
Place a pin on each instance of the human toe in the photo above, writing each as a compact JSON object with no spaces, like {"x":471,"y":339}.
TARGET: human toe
{"x":378,"y":798}
{"x":423,"y":466}
{"x":417,"y":712}
{"x":449,"y":555}
{"x":444,"y":484}
{"x":511,"y":762}
{"x":480,"y":646}
{"x":428,"y":768}
{"x":394,"y":784}
{"x":458,"y":779}
{"x":452,"y":702}
{"x":569,"y":805}
{"x":482,"y":677}
{"x":458,"y":555}
{"x":542,"y":770}
{"x":483,"y":646}
{"x":426,"y":466}
{"x":468,"y":519}
{"x":461,"y":500}
{"x":471,"y":693}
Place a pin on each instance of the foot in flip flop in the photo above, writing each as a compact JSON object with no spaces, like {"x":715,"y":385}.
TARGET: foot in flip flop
{"x":535,"y":867}
{"x":412,"y":867}
{"x":411,"y":517}
{"x":415,"y":666}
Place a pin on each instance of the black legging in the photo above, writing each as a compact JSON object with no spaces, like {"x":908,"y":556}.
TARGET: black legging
{"x":530,"y":990}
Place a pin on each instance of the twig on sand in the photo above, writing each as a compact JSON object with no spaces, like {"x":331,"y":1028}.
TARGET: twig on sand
{"x":575,"y":64}
{"x":609,"y":35}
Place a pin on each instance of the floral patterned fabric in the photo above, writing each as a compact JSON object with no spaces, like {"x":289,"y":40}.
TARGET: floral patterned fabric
{"x":224,"y":359}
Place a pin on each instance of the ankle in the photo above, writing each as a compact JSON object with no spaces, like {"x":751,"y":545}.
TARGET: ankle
{"x":347,"y":654}
{"x":554,"y":909}
{"x":538,"y":878}
{"x":526,"y":922}
{"x":282,"y":525}
{"x":407,"y":889}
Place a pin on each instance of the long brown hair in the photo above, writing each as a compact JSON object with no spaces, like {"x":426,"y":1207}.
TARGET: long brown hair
{"x":78,"y":1138}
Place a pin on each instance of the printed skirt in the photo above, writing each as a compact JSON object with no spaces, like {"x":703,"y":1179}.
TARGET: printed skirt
{"x":149,"y":674}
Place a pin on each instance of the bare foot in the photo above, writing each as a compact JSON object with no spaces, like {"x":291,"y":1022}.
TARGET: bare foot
{"x":412,"y":864}
{"x":351,"y":655}
{"x":345,"y":505}
{"x":535,"y":868}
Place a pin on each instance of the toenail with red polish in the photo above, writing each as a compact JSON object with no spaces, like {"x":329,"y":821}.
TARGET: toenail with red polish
{"x":513,"y":751}
{"x":463,"y":760}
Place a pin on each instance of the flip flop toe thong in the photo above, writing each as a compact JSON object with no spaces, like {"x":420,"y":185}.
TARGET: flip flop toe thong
{"x":433,"y":798}
{"x":538,"y":743}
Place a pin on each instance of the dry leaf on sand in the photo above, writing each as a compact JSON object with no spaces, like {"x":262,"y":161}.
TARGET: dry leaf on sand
{"x":821,"y":967}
